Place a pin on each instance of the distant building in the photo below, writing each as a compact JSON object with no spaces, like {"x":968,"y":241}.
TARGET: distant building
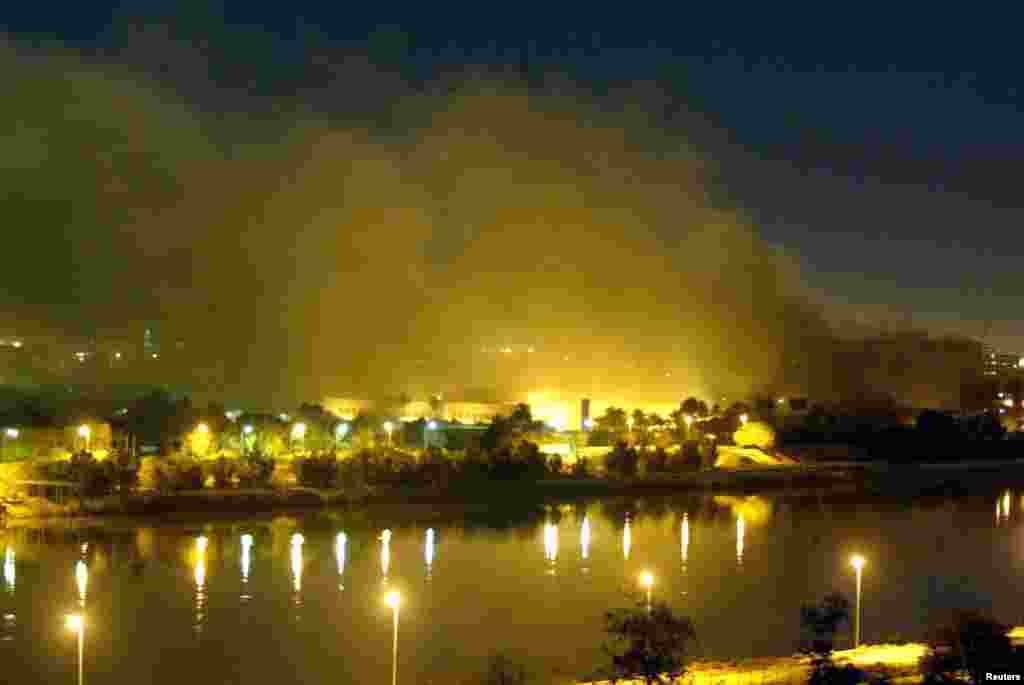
{"x":1001,"y":364}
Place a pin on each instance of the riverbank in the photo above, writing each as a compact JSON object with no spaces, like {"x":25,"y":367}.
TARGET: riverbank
{"x":872,"y":478}
{"x":899,"y":662}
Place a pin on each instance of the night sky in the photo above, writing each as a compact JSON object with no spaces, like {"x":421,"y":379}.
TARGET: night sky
{"x":881,"y":150}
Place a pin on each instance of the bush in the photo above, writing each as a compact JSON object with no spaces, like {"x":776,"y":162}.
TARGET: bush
{"x":648,"y":644}
{"x":581,"y":468}
{"x":656,"y":461}
{"x":169,"y":475}
{"x":973,"y":643}
{"x":318,"y":471}
{"x":555,"y":464}
{"x":220,"y":471}
{"x":623,"y":460}
{"x":254,"y":472}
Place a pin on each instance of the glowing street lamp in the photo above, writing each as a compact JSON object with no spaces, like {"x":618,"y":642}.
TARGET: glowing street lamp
{"x":85,"y":433}
{"x":393,"y":600}
{"x":340,"y":431}
{"x":9,"y":434}
{"x":247,"y":429}
{"x":203,"y":428}
{"x":76,"y":624}
{"x":647,"y":580}
{"x":857,"y":561}
{"x":82,"y":580}
{"x":388,"y":427}
{"x":298,"y":432}
{"x":427,"y":427}
{"x":588,"y":423}
{"x":744,"y":418}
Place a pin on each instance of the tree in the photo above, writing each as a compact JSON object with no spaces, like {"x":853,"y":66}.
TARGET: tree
{"x":613,"y":420}
{"x":974,"y":644}
{"x":521,"y":417}
{"x":652,"y":645}
{"x":691,"y":406}
{"x":641,"y":422}
{"x":819,"y":624}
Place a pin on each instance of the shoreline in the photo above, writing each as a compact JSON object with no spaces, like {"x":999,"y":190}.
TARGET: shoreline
{"x":867,"y":478}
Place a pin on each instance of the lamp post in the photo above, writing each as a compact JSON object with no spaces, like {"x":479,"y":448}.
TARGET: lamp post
{"x":9,"y":434}
{"x":858,"y":563}
{"x":744,"y":418}
{"x":85,"y":433}
{"x":247,"y":429}
{"x":76,"y":624}
{"x":388,"y":427}
{"x":427,"y":427}
{"x":298,"y":433}
{"x":339,"y":433}
{"x":688,"y":419}
{"x":393,"y":600}
{"x":647,"y":580}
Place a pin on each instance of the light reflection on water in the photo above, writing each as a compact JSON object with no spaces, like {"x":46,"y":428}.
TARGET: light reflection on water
{"x":742,"y":568}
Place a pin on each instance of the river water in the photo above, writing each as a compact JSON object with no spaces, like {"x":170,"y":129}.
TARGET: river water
{"x":300,"y":597}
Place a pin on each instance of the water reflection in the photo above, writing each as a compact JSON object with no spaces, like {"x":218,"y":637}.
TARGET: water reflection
{"x":626,"y":540}
{"x":741,"y":530}
{"x":551,"y":546}
{"x":199,"y":575}
{"x":385,"y":554}
{"x":585,"y":542}
{"x":9,"y":569}
{"x":428,"y":551}
{"x":684,"y":540}
{"x":296,"y":559}
{"x":10,"y":619}
{"x":1003,"y":508}
{"x":340,"y":544}
{"x":82,"y":580}
{"x":246,"y":560}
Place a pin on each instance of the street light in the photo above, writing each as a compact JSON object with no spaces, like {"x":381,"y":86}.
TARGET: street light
{"x":340,"y":431}
{"x":9,"y":434}
{"x":85,"y":432}
{"x":393,"y":600}
{"x":76,"y":624}
{"x":298,"y":432}
{"x":388,"y":427}
{"x":857,"y":561}
{"x":202,"y":428}
{"x":428,"y":426}
{"x":647,"y":580}
{"x":744,"y":418}
{"x":247,"y":429}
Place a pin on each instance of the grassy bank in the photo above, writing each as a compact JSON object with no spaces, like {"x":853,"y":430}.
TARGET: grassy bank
{"x":847,"y":478}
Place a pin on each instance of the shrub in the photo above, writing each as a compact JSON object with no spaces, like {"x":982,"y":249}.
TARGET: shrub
{"x":656,"y":461}
{"x":581,"y":468}
{"x":649,"y":644}
{"x":317,"y":471}
{"x":973,"y":643}
{"x":254,"y":472}
{"x":623,"y":460}
{"x":555,"y":464}
{"x":220,"y":471}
